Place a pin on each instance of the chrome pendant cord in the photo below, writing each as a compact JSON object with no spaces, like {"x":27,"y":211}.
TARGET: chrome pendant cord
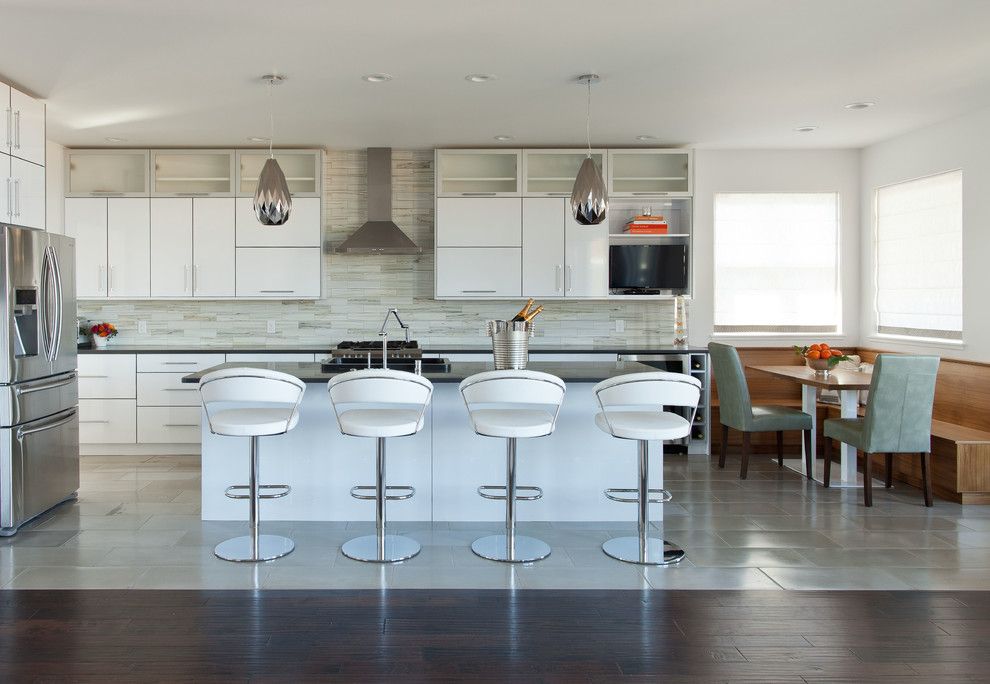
{"x":271,"y":119}
{"x":588,"y":121}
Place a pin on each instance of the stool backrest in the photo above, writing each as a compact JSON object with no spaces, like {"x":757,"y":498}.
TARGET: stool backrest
{"x":655,"y":390}
{"x":252,"y":386}
{"x":507,"y":389}
{"x":380,"y":386}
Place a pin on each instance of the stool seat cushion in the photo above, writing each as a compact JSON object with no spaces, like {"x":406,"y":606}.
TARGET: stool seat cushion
{"x":512,"y":422}
{"x":385,"y":422}
{"x":643,"y":424}
{"x":252,"y":422}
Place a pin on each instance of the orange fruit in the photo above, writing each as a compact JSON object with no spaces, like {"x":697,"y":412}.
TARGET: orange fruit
{"x":836,"y":352}
{"x":824,"y":346}
{"x":826,"y":354}
{"x":814,"y":354}
{"x":815,"y":347}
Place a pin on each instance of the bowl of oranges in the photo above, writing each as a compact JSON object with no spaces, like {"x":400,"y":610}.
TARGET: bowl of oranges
{"x":821,"y":358}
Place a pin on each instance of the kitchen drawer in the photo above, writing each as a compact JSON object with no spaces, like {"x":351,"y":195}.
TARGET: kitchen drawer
{"x":175,"y":363}
{"x":168,"y":425}
{"x":106,"y":376}
{"x":478,"y":272}
{"x":166,"y":389}
{"x":272,"y":358}
{"x":107,"y":421}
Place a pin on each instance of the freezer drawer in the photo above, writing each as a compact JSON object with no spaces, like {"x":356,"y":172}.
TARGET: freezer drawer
{"x":39,"y":467}
{"x":34,"y":399}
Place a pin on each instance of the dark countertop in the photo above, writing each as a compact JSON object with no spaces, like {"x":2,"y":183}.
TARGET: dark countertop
{"x":427,"y":348}
{"x":579,"y":371}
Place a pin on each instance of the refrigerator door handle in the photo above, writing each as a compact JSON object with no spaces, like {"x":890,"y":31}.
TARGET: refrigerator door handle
{"x":46,"y":298}
{"x":24,"y":432}
{"x":57,"y":318}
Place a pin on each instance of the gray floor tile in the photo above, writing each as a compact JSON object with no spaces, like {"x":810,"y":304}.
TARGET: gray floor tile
{"x":777,"y":540}
{"x":113,"y":538}
{"x":961,"y":579}
{"x":678,"y":577}
{"x":39,"y":538}
{"x":748,"y":558}
{"x":859,"y":558}
{"x":835,"y":578}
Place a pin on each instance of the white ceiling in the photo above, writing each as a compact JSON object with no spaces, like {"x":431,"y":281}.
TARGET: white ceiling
{"x":711,"y":73}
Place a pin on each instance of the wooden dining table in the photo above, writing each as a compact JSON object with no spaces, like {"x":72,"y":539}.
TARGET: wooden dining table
{"x":848,"y":384}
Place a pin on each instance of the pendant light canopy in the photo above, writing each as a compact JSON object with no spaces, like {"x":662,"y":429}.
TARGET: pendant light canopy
{"x":272,"y":201}
{"x":589,"y":199}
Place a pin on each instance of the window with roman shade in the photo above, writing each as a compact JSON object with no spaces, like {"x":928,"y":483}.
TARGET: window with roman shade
{"x":919,"y":257}
{"x":776,"y":263}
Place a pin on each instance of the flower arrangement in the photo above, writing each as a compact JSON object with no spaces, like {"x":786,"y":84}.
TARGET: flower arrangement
{"x":102,"y":332}
{"x":820,"y":357}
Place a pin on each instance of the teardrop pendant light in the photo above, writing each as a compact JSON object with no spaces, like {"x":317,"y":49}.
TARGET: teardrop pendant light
{"x":272,"y":201}
{"x":589,"y":199}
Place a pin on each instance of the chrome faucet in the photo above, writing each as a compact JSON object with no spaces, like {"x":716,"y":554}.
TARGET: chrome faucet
{"x":384,"y":334}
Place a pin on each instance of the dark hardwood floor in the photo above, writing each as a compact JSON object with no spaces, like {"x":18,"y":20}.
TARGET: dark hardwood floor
{"x":493,"y":635}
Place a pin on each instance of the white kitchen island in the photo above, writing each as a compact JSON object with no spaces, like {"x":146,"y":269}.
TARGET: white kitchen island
{"x":446,"y":462}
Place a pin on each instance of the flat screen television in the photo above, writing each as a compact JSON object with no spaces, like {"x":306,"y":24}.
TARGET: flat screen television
{"x":643,"y":268}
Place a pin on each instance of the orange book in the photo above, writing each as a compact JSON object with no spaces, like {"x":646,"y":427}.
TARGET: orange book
{"x":633,"y":229}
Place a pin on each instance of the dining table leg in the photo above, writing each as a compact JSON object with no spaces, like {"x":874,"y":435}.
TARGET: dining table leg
{"x":848,"y":406}
{"x":809,"y":404}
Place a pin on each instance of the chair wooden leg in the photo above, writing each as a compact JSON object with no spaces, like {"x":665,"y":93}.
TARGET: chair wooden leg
{"x":744,"y":465}
{"x":828,"y":462}
{"x":780,"y":448}
{"x":809,"y":462}
{"x":723,"y":446}
{"x":867,"y":480}
{"x":889,"y":481}
{"x":926,"y":478}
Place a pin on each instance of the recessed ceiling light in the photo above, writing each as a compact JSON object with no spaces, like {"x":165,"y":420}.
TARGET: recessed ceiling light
{"x":503,"y":138}
{"x":859,"y":105}
{"x":645,"y":138}
{"x":257,"y":139}
{"x":806,"y":129}
{"x":480,"y":78}
{"x":377,"y":78}
{"x":115,"y":140}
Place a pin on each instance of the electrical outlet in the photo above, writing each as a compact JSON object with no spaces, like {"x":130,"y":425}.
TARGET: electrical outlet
{"x":620,"y":325}
{"x":142,"y":327}
{"x":271,"y":327}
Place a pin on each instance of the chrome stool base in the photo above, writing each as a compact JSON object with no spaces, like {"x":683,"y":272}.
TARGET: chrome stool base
{"x":367,"y":550}
{"x":657,"y":551}
{"x":241,"y":549}
{"x":496,"y":548}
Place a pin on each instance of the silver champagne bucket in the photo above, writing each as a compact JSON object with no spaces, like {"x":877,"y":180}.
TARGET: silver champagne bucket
{"x":510,"y":343}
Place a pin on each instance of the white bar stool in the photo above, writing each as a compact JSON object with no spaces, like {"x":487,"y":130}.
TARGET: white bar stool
{"x":273,"y":400}
{"x":512,"y":404}
{"x":386,"y":403}
{"x":633,"y":408}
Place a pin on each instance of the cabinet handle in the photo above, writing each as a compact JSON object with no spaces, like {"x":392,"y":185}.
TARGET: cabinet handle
{"x":185,"y":278}
{"x":478,"y":291}
{"x":103,"y":422}
{"x":556,"y":277}
{"x":179,"y":363}
{"x":180,"y":389}
{"x":276,"y":291}
{"x":99,"y":278}
{"x":195,"y":425}
{"x":94,"y":376}
{"x":107,"y":194}
{"x":9,"y":140}
{"x":17,"y":197}
{"x":654,"y":194}
{"x":110,"y":289}
{"x":17,"y":130}
{"x":478,"y":194}
{"x":10,"y":198}
{"x":570,"y":276}
{"x":195,"y":277}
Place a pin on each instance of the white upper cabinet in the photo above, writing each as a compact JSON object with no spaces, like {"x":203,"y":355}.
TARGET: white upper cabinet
{"x":27,"y":126}
{"x":86,"y":221}
{"x":27,"y":194}
{"x":552,"y":172}
{"x":302,"y":168}
{"x":478,"y":272}
{"x":543,"y":247}
{"x":585,"y":258}
{"x":213,"y":247}
{"x":479,"y":222}
{"x":279,"y":272}
{"x":172,"y":246}
{"x":129,"y":247}
{"x":192,"y":173}
{"x":478,"y":173}
{"x":303,"y":229}
{"x":6,"y":190}
{"x":650,"y":173}
{"x":114,"y":173}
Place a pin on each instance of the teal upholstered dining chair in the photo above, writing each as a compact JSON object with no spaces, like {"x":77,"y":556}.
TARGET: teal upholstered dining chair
{"x":735,"y":410}
{"x":898,"y":419}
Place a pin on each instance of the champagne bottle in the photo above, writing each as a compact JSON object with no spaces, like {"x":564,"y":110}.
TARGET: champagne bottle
{"x":533,"y":314}
{"x":521,"y":316}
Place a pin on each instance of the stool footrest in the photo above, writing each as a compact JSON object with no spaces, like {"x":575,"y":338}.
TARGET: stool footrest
{"x":614,"y":493}
{"x":410,"y":492}
{"x":519,"y":488}
{"x":278,"y":495}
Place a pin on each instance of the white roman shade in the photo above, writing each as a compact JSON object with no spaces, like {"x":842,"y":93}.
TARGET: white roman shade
{"x":919,"y":257}
{"x":776,"y":263}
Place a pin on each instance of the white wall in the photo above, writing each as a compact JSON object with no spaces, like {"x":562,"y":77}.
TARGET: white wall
{"x":775,"y":171}
{"x":960,"y":143}
{"x":54,"y":187}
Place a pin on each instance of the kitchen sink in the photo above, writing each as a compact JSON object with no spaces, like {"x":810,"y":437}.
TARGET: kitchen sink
{"x":429,"y":365}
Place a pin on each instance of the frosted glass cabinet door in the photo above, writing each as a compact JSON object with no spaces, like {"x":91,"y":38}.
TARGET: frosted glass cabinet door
{"x":213,"y":247}
{"x":543,"y":246}
{"x":171,"y":247}
{"x":129,"y":247}
{"x":645,"y":173}
{"x":86,"y":221}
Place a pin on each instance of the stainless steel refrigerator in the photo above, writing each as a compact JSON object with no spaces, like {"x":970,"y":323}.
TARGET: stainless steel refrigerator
{"x":39,"y":393}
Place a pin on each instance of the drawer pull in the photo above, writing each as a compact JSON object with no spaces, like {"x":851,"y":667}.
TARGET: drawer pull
{"x":102,"y":422}
{"x":180,"y":389}
{"x":195,"y":425}
{"x":94,"y":376}
{"x":179,"y":363}
{"x":276,"y":291}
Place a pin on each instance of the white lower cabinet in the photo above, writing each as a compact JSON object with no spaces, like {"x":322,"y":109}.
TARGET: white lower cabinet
{"x":106,"y":376}
{"x":478,"y":272}
{"x":107,"y":421}
{"x":177,"y":363}
{"x":168,"y":424}
{"x":290,"y":357}
{"x":279,"y":272}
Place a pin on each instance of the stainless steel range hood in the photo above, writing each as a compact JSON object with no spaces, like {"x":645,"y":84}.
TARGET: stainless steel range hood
{"x":379,"y":235}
